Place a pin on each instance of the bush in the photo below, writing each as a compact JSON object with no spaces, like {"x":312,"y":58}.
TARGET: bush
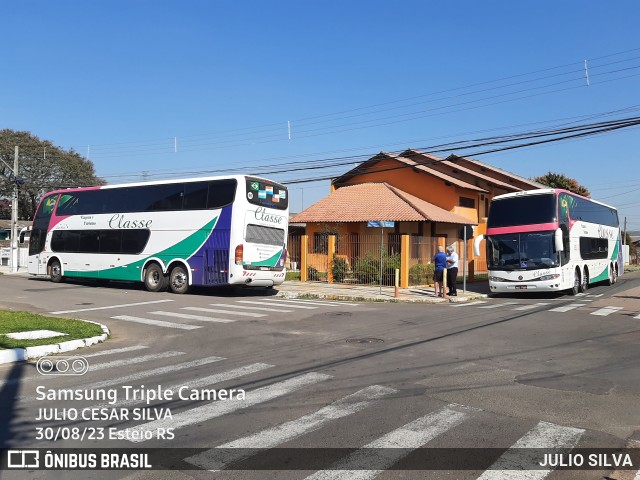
{"x":314,"y":274}
{"x":366,"y":270}
{"x":421,"y":274}
{"x":339,"y":269}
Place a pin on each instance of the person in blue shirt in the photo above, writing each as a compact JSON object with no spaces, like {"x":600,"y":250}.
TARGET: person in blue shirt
{"x":440,"y":263}
{"x":452,"y":270}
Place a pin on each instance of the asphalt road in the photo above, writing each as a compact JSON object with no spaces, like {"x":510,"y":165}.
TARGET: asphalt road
{"x":343,"y":381}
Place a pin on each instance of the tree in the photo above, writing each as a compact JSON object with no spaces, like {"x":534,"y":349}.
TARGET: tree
{"x":42,"y":167}
{"x":559,"y":180}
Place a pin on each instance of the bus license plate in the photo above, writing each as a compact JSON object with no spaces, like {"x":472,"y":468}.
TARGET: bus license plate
{"x":521,"y":287}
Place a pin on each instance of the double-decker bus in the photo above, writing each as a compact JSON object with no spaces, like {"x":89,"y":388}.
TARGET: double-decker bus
{"x":550,"y":240}
{"x":206,"y":231}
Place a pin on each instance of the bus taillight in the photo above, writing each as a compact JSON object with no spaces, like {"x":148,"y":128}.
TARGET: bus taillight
{"x":239,"y":254}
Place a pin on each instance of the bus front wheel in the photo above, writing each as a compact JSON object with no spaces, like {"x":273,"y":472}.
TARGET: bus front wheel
{"x":179,"y":280}
{"x":55,"y":271}
{"x":154,"y":279}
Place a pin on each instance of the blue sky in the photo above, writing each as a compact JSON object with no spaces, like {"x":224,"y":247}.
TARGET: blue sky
{"x":158,"y":89}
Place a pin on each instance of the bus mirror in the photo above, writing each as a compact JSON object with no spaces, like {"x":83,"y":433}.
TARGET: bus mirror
{"x":476,"y":245}
{"x":557,"y":240}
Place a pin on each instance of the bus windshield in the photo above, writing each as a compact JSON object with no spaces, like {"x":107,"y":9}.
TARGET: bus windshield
{"x":522,"y":251}
{"x":524,"y":210}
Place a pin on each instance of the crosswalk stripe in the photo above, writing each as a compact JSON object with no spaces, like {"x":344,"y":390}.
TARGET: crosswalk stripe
{"x":566,"y":308}
{"x":315,"y":302}
{"x":109,"y":307}
{"x":637,"y":317}
{"x":262,"y":309}
{"x":130,"y":361}
{"x":157,"y":323}
{"x":525,"y":452}
{"x":216,"y":459}
{"x":216,"y":409}
{"x":129,"y":379}
{"x":186,"y":316}
{"x":467,"y":304}
{"x":116,"y":350}
{"x":500,"y":305}
{"x":400,"y":442}
{"x":604,"y":311}
{"x":531,"y":307}
{"x":593,"y":295}
{"x":276,"y":304}
{"x":199,"y":382}
{"x":226,"y":312}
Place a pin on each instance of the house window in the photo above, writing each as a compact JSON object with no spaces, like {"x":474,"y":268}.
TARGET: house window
{"x":467,"y":202}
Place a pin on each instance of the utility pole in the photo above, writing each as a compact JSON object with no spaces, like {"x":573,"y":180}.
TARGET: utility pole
{"x":14,"y":215}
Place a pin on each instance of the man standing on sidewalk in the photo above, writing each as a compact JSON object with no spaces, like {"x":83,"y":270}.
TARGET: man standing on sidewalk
{"x":452,"y":270}
{"x":440,"y":263}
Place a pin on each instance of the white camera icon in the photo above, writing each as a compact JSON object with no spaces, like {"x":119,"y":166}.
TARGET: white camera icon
{"x":62,"y":365}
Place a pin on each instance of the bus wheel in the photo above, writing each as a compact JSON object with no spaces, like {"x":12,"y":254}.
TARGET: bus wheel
{"x":585,"y":281}
{"x":55,"y":271}
{"x":612,"y":276}
{"x":576,"y":283}
{"x":179,"y":280}
{"x":154,"y":279}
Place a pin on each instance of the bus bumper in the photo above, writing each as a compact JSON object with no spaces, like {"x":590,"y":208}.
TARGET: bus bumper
{"x":515,"y":287}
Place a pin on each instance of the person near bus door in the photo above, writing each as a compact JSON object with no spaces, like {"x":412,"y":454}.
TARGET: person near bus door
{"x":452,"y":270}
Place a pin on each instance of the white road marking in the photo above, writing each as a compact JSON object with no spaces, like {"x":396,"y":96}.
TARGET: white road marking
{"x":226,"y":312}
{"x":275,"y":304}
{"x":110,"y":306}
{"x":198,"y":382}
{"x":277,"y":310}
{"x":637,"y":316}
{"x":116,"y":350}
{"x":216,"y":459}
{"x":603,"y":312}
{"x":315,"y":302}
{"x":467,"y":304}
{"x":131,"y":361}
{"x":186,"y":316}
{"x":216,"y":409}
{"x":134,"y":377}
{"x":531,"y":307}
{"x":566,"y":308}
{"x":525,"y":452}
{"x":500,"y":305}
{"x":157,"y":323}
{"x":598,"y":295}
{"x":413,"y":435}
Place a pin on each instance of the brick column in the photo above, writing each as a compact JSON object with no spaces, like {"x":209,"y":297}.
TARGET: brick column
{"x":331,"y":251}
{"x":405,"y":247}
{"x":304,"y":250}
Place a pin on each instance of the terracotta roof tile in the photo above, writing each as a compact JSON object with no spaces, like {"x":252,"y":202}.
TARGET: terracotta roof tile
{"x":375,"y":201}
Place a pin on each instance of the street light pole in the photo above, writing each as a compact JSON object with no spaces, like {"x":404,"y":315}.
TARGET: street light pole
{"x":14,"y":215}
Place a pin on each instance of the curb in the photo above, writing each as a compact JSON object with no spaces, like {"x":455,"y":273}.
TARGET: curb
{"x":349,"y":298}
{"x":20,"y":354}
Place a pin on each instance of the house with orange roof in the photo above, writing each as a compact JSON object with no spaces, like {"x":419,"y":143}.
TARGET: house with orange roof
{"x":426,"y":197}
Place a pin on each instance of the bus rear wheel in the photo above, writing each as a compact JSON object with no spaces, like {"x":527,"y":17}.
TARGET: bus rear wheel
{"x":585,"y":281}
{"x":613,"y":277}
{"x":576,"y":283}
{"x":55,"y":271}
{"x":154,"y":278}
{"x":179,"y":280}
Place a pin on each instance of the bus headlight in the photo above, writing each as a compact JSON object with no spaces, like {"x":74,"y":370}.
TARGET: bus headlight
{"x":550,"y":277}
{"x":497,"y":279}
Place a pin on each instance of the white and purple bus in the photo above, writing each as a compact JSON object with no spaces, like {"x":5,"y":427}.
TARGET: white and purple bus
{"x":550,"y":240}
{"x":203,"y":232}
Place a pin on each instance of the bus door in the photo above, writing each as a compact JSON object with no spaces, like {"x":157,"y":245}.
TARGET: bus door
{"x":37,"y":259}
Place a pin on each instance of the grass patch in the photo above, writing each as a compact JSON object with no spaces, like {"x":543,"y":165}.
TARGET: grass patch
{"x":11,"y":322}
{"x":292,"y":276}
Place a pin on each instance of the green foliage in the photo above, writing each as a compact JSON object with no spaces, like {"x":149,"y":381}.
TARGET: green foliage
{"x":339,"y":269}
{"x":366,"y":270}
{"x":559,"y":180}
{"x":421,"y":274}
{"x":292,"y":276}
{"x":43,"y":167}
{"x":313,"y":274}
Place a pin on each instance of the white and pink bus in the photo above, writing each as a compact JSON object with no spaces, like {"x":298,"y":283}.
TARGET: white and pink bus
{"x":550,"y":240}
{"x":204,"y":232}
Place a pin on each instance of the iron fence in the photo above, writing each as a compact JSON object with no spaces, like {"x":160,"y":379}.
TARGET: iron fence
{"x":366,"y":259}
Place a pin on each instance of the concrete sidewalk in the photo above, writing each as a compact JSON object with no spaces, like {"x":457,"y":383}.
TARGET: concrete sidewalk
{"x":372,"y":293}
